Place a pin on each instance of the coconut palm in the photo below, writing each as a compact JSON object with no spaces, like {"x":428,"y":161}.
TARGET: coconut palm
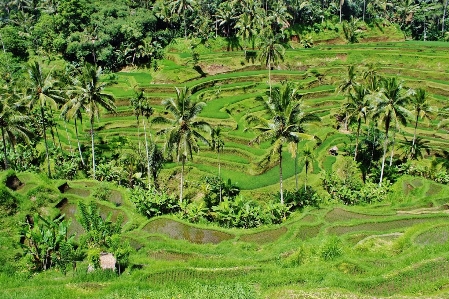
{"x":218,"y":145}
{"x":245,"y":28}
{"x":183,"y":132}
{"x":89,"y":96}
{"x":357,"y":107}
{"x":389,"y":108}
{"x":415,"y":148}
{"x":271,"y":53}
{"x":137,"y":103}
{"x":308,"y":158}
{"x":43,"y":91}
{"x":181,"y":7}
{"x":285,"y":124}
{"x":75,"y":105}
{"x":348,"y":83}
{"x":12,"y":120}
{"x":225,"y":16}
{"x":422,"y":109}
{"x":154,"y":160}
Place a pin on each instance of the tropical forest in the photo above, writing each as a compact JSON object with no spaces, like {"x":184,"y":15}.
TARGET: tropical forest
{"x":242,"y":149}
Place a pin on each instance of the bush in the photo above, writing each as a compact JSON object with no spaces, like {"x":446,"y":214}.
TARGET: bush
{"x":331,"y":249}
{"x":102,"y":192}
{"x":8,"y":202}
{"x":153,"y":203}
{"x":228,"y":190}
{"x":301,"y":198}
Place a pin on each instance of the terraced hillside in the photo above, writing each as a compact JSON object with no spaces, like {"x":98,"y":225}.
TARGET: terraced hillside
{"x":397,"y":248}
{"x":229,"y":85}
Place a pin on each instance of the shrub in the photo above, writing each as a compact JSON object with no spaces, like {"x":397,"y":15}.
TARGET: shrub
{"x":301,"y":198}
{"x":215,"y":186}
{"x":331,"y":249}
{"x":194,"y":212}
{"x":102,"y":192}
{"x":8,"y":202}
{"x":153,"y":203}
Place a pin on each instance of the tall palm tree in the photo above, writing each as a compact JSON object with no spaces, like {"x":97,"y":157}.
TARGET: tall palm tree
{"x":390,"y":109}
{"x":137,"y":104}
{"x":357,"y":107}
{"x":75,"y":105}
{"x":244,"y":27}
{"x":218,"y":145}
{"x":181,"y":7}
{"x":43,"y":91}
{"x":284,"y":125}
{"x":348,"y":83}
{"x":271,"y":52}
{"x":422,"y":109}
{"x":308,"y":157}
{"x":146,"y":111}
{"x":183,"y":132}
{"x":90,"y":97}
{"x":12,"y":120}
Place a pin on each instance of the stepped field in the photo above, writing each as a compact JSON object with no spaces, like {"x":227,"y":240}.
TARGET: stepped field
{"x":398,"y":248}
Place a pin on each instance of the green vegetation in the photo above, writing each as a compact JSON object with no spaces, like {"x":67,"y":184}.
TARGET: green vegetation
{"x":245,"y":149}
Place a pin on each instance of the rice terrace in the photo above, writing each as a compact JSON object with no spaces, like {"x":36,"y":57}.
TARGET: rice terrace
{"x":224,"y":149}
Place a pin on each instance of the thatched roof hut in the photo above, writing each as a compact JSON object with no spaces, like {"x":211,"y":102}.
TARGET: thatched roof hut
{"x":333,"y":150}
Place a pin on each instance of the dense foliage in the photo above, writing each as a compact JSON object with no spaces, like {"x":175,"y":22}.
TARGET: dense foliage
{"x":120,"y":33}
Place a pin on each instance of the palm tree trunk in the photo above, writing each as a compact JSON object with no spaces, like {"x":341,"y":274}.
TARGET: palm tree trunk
{"x":414,"y":133}
{"x":341,"y":6}
{"x":384,"y":156}
{"x":68,"y":137}
{"x":78,"y":140}
{"x":269,"y":75}
{"x":444,"y":18}
{"x":181,"y":186}
{"x":357,"y":140}
{"x":185,"y":23}
{"x":296,"y":166}
{"x":4,"y":149}
{"x":392,"y":147}
{"x":148,"y":154}
{"x":364,"y":10}
{"x":280,"y":175}
{"x":93,"y":148}
{"x":305,"y":181}
{"x":45,"y":141}
{"x":138,"y":133}
{"x":219,"y":170}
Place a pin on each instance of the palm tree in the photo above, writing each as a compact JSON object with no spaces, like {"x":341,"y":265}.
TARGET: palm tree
{"x":12,"y":121}
{"x":218,"y":145}
{"x":181,"y":6}
{"x":225,"y":15}
{"x":245,"y":28}
{"x":348,"y":83}
{"x":390,"y":108}
{"x":183,"y":132}
{"x":308,"y":157}
{"x":422,"y":109}
{"x":42,"y":91}
{"x":284,"y":125}
{"x":137,"y":103}
{"x":357,"y":106}
{"x":90,"y":96}
{"x":271,"y":53}
{"x":73,"y":107}
{"x":146,"y":110}
{"x":415,"y":148}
